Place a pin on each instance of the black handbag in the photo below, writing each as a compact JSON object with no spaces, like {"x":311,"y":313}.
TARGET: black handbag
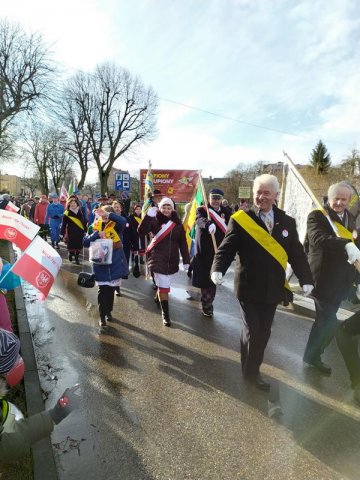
{"x":86,"y":280}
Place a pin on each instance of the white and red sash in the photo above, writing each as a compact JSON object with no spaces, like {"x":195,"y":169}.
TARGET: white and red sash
{"x":219,"y":221}
{"x":162,"y":233}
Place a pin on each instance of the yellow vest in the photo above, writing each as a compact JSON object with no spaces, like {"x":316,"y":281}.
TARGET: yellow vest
{"x":109,"y":229}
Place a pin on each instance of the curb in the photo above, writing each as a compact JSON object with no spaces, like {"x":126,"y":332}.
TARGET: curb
{"x":44,"y":467}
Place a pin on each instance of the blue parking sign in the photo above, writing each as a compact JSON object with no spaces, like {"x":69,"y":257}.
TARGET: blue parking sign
{"x":122,"y":181}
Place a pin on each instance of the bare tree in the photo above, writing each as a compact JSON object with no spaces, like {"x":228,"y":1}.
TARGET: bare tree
{"x":25,"y":73}
{"x":116,"y":110}
{"x":59,"y":162}
{"x":46,"y":153}
{"x":91,"y":189}
{"x":7,"y":150}
{"x":30,"y":184}
{"x":351,"y":164}
{"x":77,"y":143}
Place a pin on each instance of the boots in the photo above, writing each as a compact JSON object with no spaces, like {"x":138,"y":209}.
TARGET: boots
{"x":165,"y":312}
{"x":156,"y":299}
{"x":71,"y":255}
{"x":77,"y":259}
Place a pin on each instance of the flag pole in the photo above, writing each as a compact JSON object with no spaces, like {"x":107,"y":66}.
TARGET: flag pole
{"x":314,"y":199}
{"x":207,"y":208}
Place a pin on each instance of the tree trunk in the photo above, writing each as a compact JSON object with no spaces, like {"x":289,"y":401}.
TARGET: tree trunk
{"x":82,"y":179}
{"x":103,"y":177}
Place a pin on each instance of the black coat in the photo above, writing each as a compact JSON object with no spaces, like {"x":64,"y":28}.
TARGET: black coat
{"x":164,"y":257}
{"x":204,"y":248}
{"x":75,"y":234}
{"x":332,"y":273}
{"x":137,"y":241}
{"x":260,"y":278}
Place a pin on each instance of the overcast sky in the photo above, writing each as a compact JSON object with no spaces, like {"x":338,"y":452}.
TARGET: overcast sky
{"x":291,"y":67}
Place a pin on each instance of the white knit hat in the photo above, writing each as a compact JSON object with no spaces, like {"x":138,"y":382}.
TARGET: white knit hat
{"x":166,"y":201}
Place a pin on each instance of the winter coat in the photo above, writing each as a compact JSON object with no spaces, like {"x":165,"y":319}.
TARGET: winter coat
{"x":164,"y":257}
{"x":137,"y":241}
{"x":119,"y":267}
{"x":332,"y":273}
{"x":204,"y":247}
{"x":32,"y":212}
{"x":40,"y":212}
{"x":54,"y":213}
{"x":260,"y":278}
{"x":27,"y":431}
{"x":75,"y":234}
{"x":126,"y":236}
{"x":25,"y":210}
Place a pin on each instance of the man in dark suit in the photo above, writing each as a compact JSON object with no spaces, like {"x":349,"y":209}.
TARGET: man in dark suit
{"x":265,"y":239}
{"x":205,"y":247}
{"x":331,"y":259}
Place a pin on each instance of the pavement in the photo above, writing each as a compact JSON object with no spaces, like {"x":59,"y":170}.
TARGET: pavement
{"x":162,"y":403}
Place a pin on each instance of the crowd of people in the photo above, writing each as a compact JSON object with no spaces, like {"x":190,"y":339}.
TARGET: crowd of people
{"x":261,"y":238}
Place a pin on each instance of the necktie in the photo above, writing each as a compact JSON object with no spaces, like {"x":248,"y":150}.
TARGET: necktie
{"x":269,"y":222}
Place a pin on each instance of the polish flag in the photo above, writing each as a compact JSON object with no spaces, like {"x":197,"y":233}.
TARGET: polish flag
{"x":17,"y":229}
{"x":11,"y":207}
{"x":38,"y":265}
{"x":63,"y":193}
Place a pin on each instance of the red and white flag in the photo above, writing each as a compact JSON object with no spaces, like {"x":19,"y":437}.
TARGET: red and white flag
{"x":38,"y":265}
{"x":17,"y":229}
{"x":63,"y":193}
{"x":11,"y":207}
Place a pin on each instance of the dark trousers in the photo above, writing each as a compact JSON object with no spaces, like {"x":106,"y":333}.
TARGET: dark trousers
{"x":323,"y":330}
{"x":207,"y":298}
{"x":348,"y":346}
{"x":255,"y":332}
{"x":105,"y":299}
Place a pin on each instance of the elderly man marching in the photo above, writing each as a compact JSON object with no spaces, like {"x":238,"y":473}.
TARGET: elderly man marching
{"x":331,"y":259}
{"x":265,"y":239}
{"x":205,"y":248}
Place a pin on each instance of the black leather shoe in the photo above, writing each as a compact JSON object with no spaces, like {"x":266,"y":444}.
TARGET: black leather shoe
{"x":102,"y":322}
{"x":258,"y":381}
{"x":319,"y":366}
{"x":109,"y":317}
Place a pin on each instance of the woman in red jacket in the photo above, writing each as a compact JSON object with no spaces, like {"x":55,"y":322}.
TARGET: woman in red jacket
{"x":40,"y":217}
{"x":163,"y":250}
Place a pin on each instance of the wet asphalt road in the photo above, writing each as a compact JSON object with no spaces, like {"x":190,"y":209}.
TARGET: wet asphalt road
{"x":170,"y":403}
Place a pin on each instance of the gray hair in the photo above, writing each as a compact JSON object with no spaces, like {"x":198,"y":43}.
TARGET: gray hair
{"x":334,"y":188}
{"x":267,"y":179}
